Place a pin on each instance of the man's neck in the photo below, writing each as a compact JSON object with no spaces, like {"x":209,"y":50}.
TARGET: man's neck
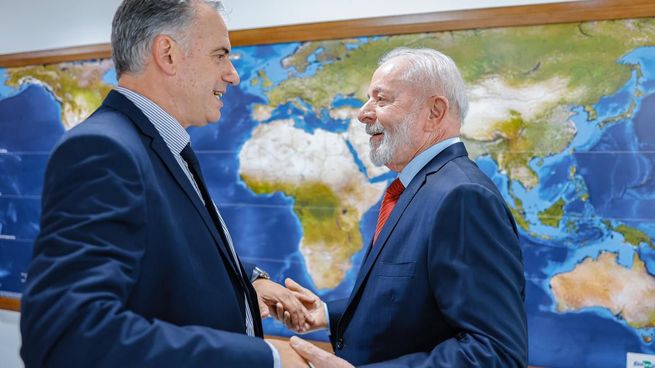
{"x":442,"y":136}
{"x":154,"y":91}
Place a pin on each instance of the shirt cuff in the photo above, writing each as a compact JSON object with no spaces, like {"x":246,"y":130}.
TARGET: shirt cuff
{"x":276,"y":356}
{"x":327,"y":318}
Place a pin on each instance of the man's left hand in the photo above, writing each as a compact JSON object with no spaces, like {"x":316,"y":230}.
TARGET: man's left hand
{"x":269,"y":294}
{"x":317,"y":357}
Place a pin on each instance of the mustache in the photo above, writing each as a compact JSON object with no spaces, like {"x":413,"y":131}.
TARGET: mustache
{"x":374,"y":128}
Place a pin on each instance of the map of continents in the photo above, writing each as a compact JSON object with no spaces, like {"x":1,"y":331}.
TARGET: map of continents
{"x":561,"y":119}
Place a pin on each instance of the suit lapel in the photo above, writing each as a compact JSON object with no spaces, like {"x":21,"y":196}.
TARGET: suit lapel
{"x":374,"y":252}
{"x":450,"y":153}
{"x":117,"y":101}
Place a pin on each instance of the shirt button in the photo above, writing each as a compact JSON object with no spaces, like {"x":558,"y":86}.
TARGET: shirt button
{"x":340,"y":343}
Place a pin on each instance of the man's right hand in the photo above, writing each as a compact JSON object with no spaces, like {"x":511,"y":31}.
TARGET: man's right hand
{"x":315,"y":308}
{"x":316,"y":357}
{"x":288,"y":357}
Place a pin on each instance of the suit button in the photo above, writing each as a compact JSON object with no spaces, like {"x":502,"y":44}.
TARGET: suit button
{"x":340,"y":343}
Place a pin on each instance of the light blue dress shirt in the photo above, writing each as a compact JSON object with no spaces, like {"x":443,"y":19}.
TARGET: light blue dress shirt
{"x":419,"y":162}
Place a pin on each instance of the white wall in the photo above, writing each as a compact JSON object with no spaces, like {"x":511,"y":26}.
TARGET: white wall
{"x":29,"y":25}
{"x":9,"y":340}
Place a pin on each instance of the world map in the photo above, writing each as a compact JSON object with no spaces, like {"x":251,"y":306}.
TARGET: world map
{"x":562,"y":119}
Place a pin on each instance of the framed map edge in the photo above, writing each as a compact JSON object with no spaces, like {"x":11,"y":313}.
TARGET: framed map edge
{"x":508,"y":16}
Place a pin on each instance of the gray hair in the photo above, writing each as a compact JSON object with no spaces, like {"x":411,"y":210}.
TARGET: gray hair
{"x":435,"y":72}
{"x":137,"y":23}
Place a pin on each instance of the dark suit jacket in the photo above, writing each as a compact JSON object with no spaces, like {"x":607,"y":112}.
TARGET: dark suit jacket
{"x":443,"y":285}
{"x":128,"y":269}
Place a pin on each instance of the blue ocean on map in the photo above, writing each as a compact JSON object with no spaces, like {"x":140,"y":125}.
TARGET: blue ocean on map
{"x":605,"y":178}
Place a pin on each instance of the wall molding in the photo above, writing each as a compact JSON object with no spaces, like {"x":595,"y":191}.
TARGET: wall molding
{"x":10,"y":304}
{"x":524,"y":15}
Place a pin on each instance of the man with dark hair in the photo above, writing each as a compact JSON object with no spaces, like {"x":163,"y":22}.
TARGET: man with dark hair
{"x":134,"y":266}
{"x":442,"y":282}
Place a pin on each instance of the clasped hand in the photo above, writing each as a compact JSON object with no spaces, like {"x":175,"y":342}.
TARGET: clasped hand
{"x":301,"y":311}
{"x":298,"y":308}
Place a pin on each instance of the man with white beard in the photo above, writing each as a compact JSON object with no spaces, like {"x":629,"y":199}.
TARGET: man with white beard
{"x":442,"y":283}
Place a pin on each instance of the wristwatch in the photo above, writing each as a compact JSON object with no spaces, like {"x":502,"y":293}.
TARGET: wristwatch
{"x":258,"y":273}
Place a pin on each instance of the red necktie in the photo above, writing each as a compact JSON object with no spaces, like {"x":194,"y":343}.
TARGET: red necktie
{"x":388,"y":202}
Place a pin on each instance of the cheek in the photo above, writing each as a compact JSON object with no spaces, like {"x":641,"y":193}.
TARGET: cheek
{"x":387,"y":113}
{"x":187,"y":81}
{"x":388,"y":120}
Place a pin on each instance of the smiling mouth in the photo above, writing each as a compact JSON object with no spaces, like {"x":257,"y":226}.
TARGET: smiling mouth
{"x":218,"y":95}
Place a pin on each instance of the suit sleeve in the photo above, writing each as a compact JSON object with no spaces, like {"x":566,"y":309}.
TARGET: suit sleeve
{"x":86,"y":261}
{"x":248,"y":268}
{"x":476,"y":274}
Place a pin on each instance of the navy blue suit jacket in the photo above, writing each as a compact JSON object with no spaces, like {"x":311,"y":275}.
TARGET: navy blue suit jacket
{"x":128,"y":269}
{"x":443,"y":285}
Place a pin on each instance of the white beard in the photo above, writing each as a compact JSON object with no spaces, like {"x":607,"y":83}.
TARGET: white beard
{"x":393,"y":140}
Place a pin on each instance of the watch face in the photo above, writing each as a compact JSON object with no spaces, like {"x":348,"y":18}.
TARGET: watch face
{"x":261,"y":273}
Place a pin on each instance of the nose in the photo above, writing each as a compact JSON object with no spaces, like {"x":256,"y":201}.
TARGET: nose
{"x":366,"y":113}
{"x":230,"y":75}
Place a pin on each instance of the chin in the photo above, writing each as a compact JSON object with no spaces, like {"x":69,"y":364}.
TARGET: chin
{"x":213,"y":118}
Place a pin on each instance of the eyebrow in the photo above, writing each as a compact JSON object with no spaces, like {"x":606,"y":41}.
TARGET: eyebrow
{"x":223,"y":49}
{"x":377,"y":90}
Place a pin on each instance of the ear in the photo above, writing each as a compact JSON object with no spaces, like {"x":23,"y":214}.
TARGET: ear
{"x":438,"y":112}
{"x":164,"y":53}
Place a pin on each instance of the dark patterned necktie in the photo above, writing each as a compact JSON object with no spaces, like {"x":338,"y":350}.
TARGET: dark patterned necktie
{"x":194,"y":166}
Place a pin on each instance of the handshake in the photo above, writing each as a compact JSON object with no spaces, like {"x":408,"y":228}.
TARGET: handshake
{"x":301,"y":311}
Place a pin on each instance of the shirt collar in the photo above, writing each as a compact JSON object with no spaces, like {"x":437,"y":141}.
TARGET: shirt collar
{"x":175,"y":137}
{"x":419,"y":162}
